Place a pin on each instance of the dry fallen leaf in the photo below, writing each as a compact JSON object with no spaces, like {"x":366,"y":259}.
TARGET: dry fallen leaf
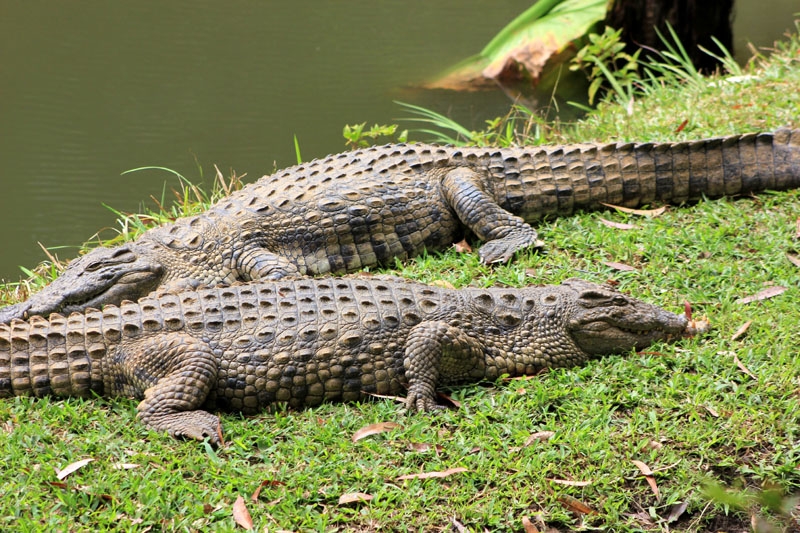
{"x":422,"y":447}
{"x":72,"y":467}
{"x":427,"y":475}
{"x":458,"y":525}
{"x":642,"y":212}
{"x":125,"y":466}
{"x":676,"y":510}
{"x":569,"y":482}
{"x":769,"y":292}
{"x":528,"y":526}
{"x":353,"y":497}
{"x":445,"y":398}
{"x":374,"y":429}
{"x":648,"y":475}
{"x":444,"y":284}
{"x":462,"y":247}
{"x":619,"y":266}
{"x":741,"y":331}
{"x":617,"y":225}
{"x":538,"y":436}
{"x":398,"y":399}
{"x":265,"y":483}
{"x":241,"y":515}
{"x":575,"y":505}
{"x":742,"y":367}
{"x":793,"y":259}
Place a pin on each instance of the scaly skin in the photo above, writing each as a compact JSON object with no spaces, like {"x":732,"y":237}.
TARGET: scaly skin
{"x":372,"y":206}
{"x":303,"y":342}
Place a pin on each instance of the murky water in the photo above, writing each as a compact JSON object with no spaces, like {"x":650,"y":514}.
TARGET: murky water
{"x":91,"y":89}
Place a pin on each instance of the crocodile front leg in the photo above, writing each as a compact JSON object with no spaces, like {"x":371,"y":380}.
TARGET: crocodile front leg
{"x":176,"y":373}
{"x":503,"y":233}
{"x":434,"y":351}
{"x":257,"y":263}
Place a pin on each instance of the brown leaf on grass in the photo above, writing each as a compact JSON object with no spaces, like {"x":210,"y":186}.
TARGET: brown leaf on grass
{"x":422,"y":447}
{"x":462,"y":247}
{"x":398,"y":399}
{"x":676,"y":510}
{"x":575,"y":505}
{"x":769,"y":292}
{"x":648,"y":475}
{"x":529,"y":526}
{"x":354,"y":497}
{"x":742,"y":367}
{"x":265,"y":483}
{"x":445,"y":398}
{"x":569,"y":482}
{"x":72,"y":467}
{"x":219,"y":435}
{"x":641,"y":212}
{"x":741,"y":331}
{"x":458,"y":525}
{"x":427,"y":475}
{"x":241,"y":515}
{"x":374,"y":429}
{"x":84,"y":489}
{"x":125,"y":466}
{"x":538,"y":437}
{"x":797,"y":229}
{"x":682,"y":125}
{"x":793,"y":259}
{"x":619,"y":266}
{"x":713,"y":412}
{"x":617,"y":225}
{"x":444,"y":284}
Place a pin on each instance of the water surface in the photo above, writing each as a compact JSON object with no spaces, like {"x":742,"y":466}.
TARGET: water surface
{"x":93,"y":88}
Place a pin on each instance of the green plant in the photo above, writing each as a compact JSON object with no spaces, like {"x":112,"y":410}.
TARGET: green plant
{"x":519,"y":125}
{"x":356,"y":137}
{"x":608,"y":62}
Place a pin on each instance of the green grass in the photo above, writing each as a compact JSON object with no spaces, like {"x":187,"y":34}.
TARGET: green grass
{"x":688,"y":410}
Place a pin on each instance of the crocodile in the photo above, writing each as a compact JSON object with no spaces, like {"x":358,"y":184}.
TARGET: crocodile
{"x":300,"y":342}
{"x":373,"y":206}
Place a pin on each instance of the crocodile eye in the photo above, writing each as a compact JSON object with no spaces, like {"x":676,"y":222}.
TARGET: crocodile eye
{"x":619,"y":300}
{"x":91,"y":267}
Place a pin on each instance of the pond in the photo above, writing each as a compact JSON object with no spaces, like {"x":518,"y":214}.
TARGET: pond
{"x":92,"y":89}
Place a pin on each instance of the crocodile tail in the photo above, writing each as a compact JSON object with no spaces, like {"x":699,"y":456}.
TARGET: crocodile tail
{"x":721,"y":166}
{"x":564,"y":179}
{"x":58,"y":356}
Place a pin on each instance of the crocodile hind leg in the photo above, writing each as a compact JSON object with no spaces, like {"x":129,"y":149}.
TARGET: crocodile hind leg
{"x":176,"y":372}
{"x":437,"y":351}
{"x":503,"y":234}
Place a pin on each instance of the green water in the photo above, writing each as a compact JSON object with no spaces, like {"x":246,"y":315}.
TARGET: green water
{"x":90,"y":89}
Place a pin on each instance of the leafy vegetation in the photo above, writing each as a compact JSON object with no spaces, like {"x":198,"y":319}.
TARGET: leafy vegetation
{"x":703,"y":435}
{"x":528,"y":47}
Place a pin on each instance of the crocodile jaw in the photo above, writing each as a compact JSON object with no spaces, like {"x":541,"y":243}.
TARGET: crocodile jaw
{"x":103,"y":276}
{"x":602,"y":337}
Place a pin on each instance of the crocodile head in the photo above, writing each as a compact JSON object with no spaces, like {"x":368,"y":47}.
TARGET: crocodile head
{"x":605,"y":321}
{"x":102,"y":276}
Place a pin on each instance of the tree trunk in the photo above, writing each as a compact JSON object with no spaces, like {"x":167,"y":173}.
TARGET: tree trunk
{"x":694,"y":21}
